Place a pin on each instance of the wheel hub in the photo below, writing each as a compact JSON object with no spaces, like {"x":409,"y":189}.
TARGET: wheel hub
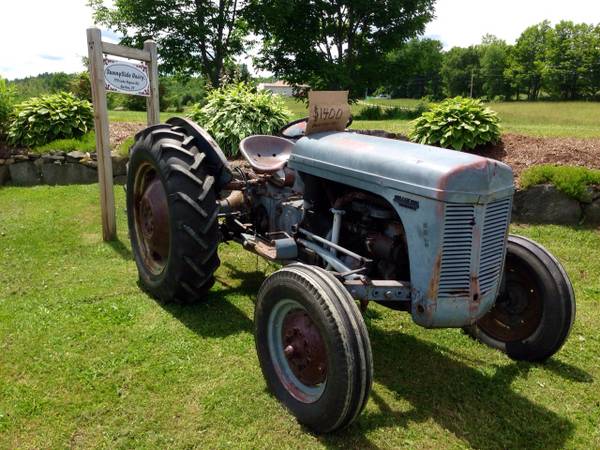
{"x":152,"y":219}
{"x":304,"y":348}
{"x":518,"y":309}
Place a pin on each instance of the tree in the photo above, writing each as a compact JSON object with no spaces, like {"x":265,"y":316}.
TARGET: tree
{"x":413,"y":70}
{"x":573,"y":55}
{"x":194,"y":36}
{"x":338,"y":44}
{"x":528,"y":62}
{"x":494,"y":63}
{"x":460,"y":69}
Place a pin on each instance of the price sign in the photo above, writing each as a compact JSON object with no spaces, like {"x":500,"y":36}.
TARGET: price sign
{"x":328,"y":111}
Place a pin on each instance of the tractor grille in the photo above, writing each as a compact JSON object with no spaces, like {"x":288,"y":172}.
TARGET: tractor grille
{"x":456,"y":252}
{"x":492,"y":243}
{"x":455,"y":274}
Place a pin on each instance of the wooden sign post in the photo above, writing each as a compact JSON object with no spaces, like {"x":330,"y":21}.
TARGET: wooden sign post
{"x":98,"y":78}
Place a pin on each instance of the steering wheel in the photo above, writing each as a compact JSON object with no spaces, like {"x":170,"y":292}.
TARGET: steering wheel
{"x":297,"y":128}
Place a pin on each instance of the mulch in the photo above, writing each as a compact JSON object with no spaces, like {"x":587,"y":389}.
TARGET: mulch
{"x":120,"y":131}
{"x":521,"y":152}
{"x":517,"y":151}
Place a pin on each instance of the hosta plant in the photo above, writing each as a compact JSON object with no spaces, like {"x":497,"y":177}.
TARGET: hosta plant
{"x":236,"y":111}
{"x":47,"y":118}
{"x":457,"y":123}
{"x":7,"y":96}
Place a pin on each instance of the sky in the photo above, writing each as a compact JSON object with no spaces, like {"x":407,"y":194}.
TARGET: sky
{"x":39,"y":36}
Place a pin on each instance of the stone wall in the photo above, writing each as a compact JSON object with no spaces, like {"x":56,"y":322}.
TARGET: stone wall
{"x":58,"y":168}
{"x":542,"y":204}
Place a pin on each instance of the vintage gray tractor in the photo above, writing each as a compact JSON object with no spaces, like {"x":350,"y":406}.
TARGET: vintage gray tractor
{"x":352,"y":219}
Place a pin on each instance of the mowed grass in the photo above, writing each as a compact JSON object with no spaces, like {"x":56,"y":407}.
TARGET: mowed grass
{"x":544,"y":119}
{"x":87,"y":360}
{"x":552,"y":119}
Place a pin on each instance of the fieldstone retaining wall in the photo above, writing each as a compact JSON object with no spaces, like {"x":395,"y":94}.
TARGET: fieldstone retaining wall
{"x":58,"y":168}
{"x":543,"y":204}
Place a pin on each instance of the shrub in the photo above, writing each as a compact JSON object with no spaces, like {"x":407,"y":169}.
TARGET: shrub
{"x":379,"y":112}
{"x":81,"y":86}
{"x":50,"y":117}
{"x":458,"y":123}
{"x":7,"y":102}
{"x":571,"y":180}
{"x":370,"y":112}
{"x":236,"y":111}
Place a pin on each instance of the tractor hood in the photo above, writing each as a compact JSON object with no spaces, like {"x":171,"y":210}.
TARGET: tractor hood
{"x":432,"y":172}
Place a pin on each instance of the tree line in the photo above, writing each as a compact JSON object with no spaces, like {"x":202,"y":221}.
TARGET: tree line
{"x":360,"y":46}
{"x":560,"y":62}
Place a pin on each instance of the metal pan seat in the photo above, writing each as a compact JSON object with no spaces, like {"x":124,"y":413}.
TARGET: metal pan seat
{"x":266,"y":154}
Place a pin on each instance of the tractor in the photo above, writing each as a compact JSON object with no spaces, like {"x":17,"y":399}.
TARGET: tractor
{"x":351,"y":219}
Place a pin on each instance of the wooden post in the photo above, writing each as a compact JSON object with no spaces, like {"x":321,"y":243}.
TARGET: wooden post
{"x":105,"y":173}
{"x":152,"y":102}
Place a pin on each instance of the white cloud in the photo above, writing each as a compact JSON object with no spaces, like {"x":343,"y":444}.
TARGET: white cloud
{"x":39,"y":36}
{"x":464,"y":22}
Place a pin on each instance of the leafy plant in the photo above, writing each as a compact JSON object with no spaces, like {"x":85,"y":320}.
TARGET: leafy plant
{"x":7,"y":101}
{"x":571,"y":180}
{"x":371,"y":112}
{"x":44,"y":119}
{"x":236,"y":111}
{"x":378,"y":112}
{"x":458,"y":123}
{"x":123,"y":148}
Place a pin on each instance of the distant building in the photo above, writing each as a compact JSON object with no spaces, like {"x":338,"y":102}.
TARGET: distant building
{"x":279,"y":87}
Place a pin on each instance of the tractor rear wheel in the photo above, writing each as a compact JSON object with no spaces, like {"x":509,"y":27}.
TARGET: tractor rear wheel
{"x":172,"y":215}
{"x":313,"y":347}
{"x":535,"y":309}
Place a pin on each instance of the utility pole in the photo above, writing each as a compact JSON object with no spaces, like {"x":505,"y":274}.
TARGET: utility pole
{"x":472,"y":80}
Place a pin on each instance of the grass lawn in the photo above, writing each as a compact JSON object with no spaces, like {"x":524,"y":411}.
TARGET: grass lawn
{"x":137,"y":116}
{"x":560,"y":119}
{"x":550,"y":119}
{"x":546,"y":119}
{"x":88,"y":360}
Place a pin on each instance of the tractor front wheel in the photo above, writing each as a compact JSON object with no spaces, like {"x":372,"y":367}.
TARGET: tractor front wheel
{"x":313,"y":347}
{"x":535,"y":309}
{"x":172,"y":215}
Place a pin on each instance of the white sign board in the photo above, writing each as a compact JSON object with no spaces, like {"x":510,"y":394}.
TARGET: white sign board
{"x":126,"y":78}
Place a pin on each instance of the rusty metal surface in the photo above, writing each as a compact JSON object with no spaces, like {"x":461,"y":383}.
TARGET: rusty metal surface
{"x":518,"y":309}
{"x":266,"y":154}
{"x":151,"y":215}
{"x":379,"y":290}
{"x":304,"y":348}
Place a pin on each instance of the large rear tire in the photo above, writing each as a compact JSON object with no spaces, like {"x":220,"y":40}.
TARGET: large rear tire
{"x":313,"y":347}
{"x":535,"y":309}
{"x":172,"y":215}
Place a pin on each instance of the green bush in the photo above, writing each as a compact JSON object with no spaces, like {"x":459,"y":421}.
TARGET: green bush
{"x":81,"y":86}
{"x":370,"y":112}
{"x":50,"y":117}
{"x":458,"y":123}
{"x":7,"y":102}
{"x":236,"y":111}
{"x":571,"y":180}
{"x":378,"y":112}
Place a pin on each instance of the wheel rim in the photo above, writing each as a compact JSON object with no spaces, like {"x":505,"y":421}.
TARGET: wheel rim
{"x":297,"y":350}
{"x":151,"y":214}
{"x":519,"y":307}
